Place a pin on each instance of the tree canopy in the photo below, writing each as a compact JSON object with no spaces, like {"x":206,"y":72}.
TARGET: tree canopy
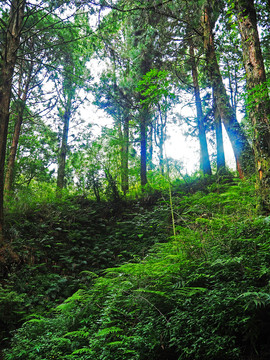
{"x":91,"y":93}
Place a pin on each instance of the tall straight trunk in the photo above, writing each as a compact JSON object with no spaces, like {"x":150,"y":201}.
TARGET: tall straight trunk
{"x":63,"y":149}
{"x":124,"y":154}
{"x":143,"y":143}
{"x":161,"y":150}
{"x":17,"y":129}
{"x":144,"y":44}
{"x":243,"y":153}
{"x":144,"y":118}
{"x":7,"y":65}
{"x":160,"y":136}
{"x":151,"y":150}
{"x":233,"y":92}
{"x":258,"y":96}
{"x":219,"y":140}
{"x":204,"y":155}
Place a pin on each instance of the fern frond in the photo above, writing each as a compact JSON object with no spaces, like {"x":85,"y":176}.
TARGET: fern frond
{"x":110,"y":330}
{"x":82,"y":351}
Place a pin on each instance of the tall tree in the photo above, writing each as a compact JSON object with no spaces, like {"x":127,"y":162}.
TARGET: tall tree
{"x":71,"y":76}
{"x":10,"y":42}
{"x":156,"y":90}
{"x":204,"y":155}
{"x":258,"y":96}
{"x":144,"y":115}
{"x":125,"y":152}
{"x":25,"y":70}
{"x":242,"y":150}
{"x":115,"y":95}
{"x":219,"y":139}
{"x":19,"y":20}
{"x":65,"y":113}
{"x":145,"y":51}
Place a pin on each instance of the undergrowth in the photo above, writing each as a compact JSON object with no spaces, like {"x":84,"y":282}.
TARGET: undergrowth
{"x":202,"y":294}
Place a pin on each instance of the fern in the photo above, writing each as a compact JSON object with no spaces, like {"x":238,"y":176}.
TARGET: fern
{"x":81,"y":334}
{"x":152,"y":292}
{"x":83,"y":351}
{"x":189,"y":291}
{"x":257,"y":299}
{"x":72,"y":301}
{"x":108,"y":331}
{"x":36,"y":321}
{"x":115,"y":344}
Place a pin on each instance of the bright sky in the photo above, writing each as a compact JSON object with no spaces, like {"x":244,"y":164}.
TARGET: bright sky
{"x":186,"y":148}
{"x":178,"y":146}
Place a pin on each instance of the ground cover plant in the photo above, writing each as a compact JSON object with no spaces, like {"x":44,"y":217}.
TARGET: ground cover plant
{"x":202,"y":294}
{"x":52,"y":242}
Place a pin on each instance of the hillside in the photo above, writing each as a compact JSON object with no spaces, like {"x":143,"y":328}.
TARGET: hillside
{"x":90,"y":280}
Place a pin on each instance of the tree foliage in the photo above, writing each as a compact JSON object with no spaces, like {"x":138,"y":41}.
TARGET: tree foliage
{"x":136,"y":259}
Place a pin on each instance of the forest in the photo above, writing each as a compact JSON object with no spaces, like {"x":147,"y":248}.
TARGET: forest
{"x":109,"y":248}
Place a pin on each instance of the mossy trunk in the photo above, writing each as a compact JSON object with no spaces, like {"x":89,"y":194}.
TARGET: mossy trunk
{"x":219,"y":141}
{"x":258,"y":96}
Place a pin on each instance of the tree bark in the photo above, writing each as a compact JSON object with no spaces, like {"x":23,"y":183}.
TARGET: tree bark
{"x":125,"y":183}
{"x":7,"y":65}
{"x":258,"y":96}
{"x":243,"y":153}
{"x":150,"y":146}
{"x":64,"y":148}
{"x":204,"y":155}
{"x":160,"y":135}
{"x":161,"y":147}
{"x":219,"y":140}
{"x":143,"y":142}
{"x":144,"y":45}
{"x":17,"y":129}
{"x":124,"y":154}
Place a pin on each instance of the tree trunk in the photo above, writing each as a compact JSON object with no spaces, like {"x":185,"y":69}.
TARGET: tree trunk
{"x":204,"y":155}
{"x":7,"y":65}
{"x":258,"y":97}
{"x":233,"y":92}
{"x":219,"y":140}
{"x":151,"y":150}
{"x":161,"y":150}
{"x":243,"y":153}
{"x":160,"y":136}
{"x":124,"y":154}
{"x":143,"y":142}
{"x":63,"y":149}
{"x":16,"y":134}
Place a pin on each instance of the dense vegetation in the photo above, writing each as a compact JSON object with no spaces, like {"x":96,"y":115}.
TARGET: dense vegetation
{"x":109,"y":281}
{"x":108,"y":248}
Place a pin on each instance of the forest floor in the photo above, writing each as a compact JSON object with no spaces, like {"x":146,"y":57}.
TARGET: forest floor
{"x":109,"y":280}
